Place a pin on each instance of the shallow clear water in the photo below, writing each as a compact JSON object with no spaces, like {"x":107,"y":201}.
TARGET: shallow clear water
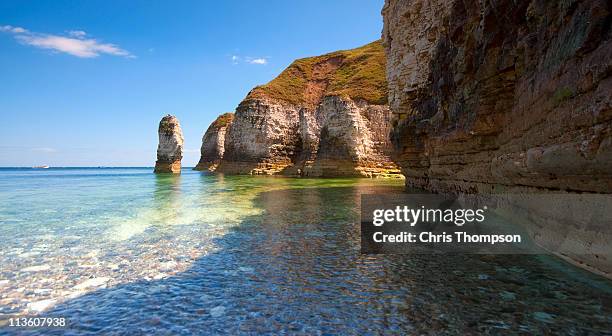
{"x":124,"y":250}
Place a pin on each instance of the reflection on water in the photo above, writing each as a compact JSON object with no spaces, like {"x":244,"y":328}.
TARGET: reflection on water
{"x":167,"y":197}
{"x":167,"y":189}
{"x":236,"y":255}
{"x":164,"y":209}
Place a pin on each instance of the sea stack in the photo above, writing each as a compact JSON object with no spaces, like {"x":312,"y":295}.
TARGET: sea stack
{"x":213,"y":143}
{"x":170,"y":148}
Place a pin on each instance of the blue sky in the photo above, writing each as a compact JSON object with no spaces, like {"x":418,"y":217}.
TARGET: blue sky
{"x":85,"y":83}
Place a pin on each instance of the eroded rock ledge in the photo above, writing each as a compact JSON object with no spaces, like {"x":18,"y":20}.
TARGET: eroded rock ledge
{"x":213,"y":143}
{"x":505,"y":97}
{"x":322,"y":116}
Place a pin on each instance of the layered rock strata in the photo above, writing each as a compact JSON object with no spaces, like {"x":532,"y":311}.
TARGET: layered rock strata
{"x":322,"y":116}
{"x":170,"y":148}
{"x":213,"y":143}
{"x":505,"y":97}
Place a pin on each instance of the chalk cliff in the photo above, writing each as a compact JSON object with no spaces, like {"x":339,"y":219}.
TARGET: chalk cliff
{"x":322,"y":116}
{"x":170,"y":148}
{"x":505,"y":97}
{"x":213,"y":143}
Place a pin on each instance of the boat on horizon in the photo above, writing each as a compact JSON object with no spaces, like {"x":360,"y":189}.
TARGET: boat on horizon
{"x":41,"y":167}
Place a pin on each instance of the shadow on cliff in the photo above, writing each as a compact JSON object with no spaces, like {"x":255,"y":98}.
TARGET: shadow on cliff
{"x":296,"y":268}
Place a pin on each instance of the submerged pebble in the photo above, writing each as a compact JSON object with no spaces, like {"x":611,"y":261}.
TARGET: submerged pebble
{"x":38,"y":268}
{"x":217,"y":311}
{"x":160,"y":276}
{"x":168,"y":266}
{"x":94,"y":282}
{"x":543,"y":317}
{"x":43,"y":291}
{"x":42,"y":305}
{"x":507,"y":296}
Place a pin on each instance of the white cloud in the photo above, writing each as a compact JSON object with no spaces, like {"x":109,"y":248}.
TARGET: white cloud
{"x":258,"y":61}
{"x":249,"y":60}
{"x":14,"y":30}
{"x":77,"y":33}
{"x":75,"y":43}
{"x":85,"y":48}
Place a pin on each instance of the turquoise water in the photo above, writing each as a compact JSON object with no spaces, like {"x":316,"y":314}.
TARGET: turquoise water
{"x":126,"y":251}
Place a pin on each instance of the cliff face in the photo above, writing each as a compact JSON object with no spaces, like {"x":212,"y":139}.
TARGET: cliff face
{"x":261,"y":139}
{"x":322,"y":116}
{"x":170,"y":148}
{"x":516,"y":93}
{"x":347,"y":138}
{"x":213,"y":143}
{"x":505,"y":96}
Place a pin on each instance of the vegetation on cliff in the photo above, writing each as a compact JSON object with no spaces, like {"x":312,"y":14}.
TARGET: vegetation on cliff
{"x":222,"y":120}
{"x":357,"y":73}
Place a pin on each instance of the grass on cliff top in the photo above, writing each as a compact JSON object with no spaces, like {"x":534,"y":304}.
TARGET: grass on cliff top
{"x":221,"y":121}
{"x":357,"y":73}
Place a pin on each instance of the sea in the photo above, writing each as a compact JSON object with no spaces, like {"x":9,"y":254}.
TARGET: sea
{"x":125,"y":251}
